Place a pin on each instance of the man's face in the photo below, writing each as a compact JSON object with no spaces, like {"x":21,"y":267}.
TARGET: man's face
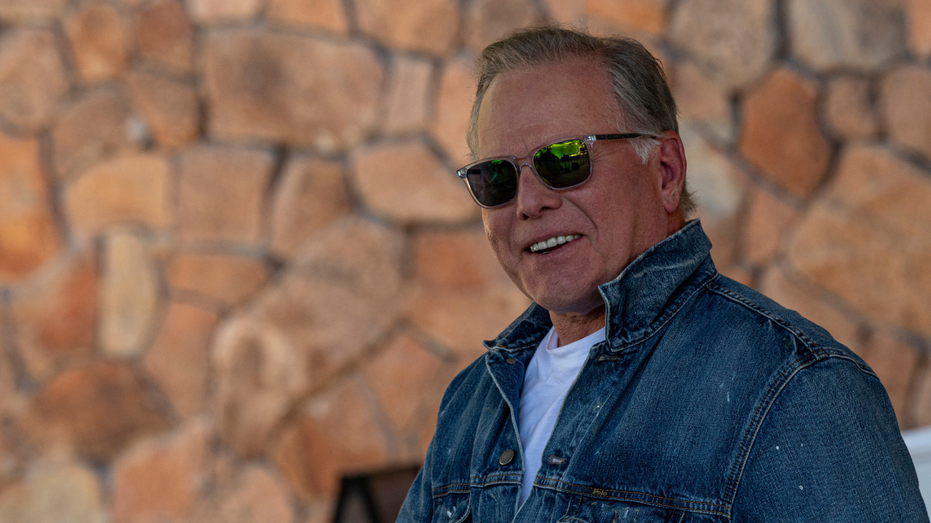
{"x":618,"y":213}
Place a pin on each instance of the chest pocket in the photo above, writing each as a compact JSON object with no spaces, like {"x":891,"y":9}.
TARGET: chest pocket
{"x":601,"y":511}
{"x":453,"y":508}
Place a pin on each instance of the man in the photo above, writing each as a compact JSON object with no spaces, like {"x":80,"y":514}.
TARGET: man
{"x":640,"y":385}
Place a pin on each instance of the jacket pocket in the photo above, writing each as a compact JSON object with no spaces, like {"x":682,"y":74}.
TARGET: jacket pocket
{"x":600,"y":511}
{"x":454,"y":508}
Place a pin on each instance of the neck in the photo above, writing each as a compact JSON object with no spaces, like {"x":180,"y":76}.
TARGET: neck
{"x":573,"y":327}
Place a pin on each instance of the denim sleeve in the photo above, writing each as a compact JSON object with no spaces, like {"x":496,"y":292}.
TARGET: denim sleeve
{"x":418,"y":504}
{"x":829,"y":450}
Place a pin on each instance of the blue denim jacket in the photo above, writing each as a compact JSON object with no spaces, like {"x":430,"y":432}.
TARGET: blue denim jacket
{"x":707,"y":402}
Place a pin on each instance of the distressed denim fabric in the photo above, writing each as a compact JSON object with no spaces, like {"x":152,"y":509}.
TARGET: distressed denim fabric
{"x":707,"y":402}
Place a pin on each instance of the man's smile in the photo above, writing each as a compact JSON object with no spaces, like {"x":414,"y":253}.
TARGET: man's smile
{"x":544,"y":245}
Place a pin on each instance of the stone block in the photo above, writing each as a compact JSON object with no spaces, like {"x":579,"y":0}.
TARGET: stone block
{"x":27,"y":225}
{"x":429,"y":26}
{"x":56,"y":316}
{"x":129,"y":295}
{"x":703,"y":102}
{"x":794,"y":293}
{"x":489,"y":20}
{"x":329,"y":15}
{"x":254,"y":496}
{"x":409,"y":91}
{"x":129,"y":190}
{"x":648,"y":16}
{"x":178,"y":357}
{"x":848,"y":109}
{"x":733,"y":40}
{"x":31,"y":10}
{"x":457,"y":260}
{"x":830,"y":35}
{"x":894,"y":361}
{"x":453,"y":107}
{"x":919,"y":26}
{"x":165,"y":35}
{"x":920,"y":408}
{"x":95,"y":410}
{"x":564,"y":11}
{"x":221,"y":195}
{"x":337,"y":299}
{"x":219,"y":11}
{"x":764,"y":225}
{"x":159,"y":479}
{"x":66,"y":492}
{"x":295,"y":90}
{"x":98,"y":40}
{"x":905,"y":98}
{"x":780,"y":135}
{"x":311,"y":194}
{"x":227,"y":279}
{"x":97,"y":126}
{"x":427,"y":191}
{"x":33,"y":77}
{"x":170,"y":108}
{"x":333,"y":433}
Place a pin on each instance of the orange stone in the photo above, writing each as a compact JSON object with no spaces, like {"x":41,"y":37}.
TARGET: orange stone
{"x":31,"y":10}
{"x":96,"y":410}
{"x":848,"y":109}
{"x":426,"y":192}
{"x":409,"y":91}
{"x":765,"y":222}
{"x":221,"y":193}
{"x":98,"y":40}
{"x":129,"y":294}
{"x":780,"y":135}
{"x":165,"y":36}
{"x":703,"y":102}
{"x":28,"y":229}
{"x":227,"y":279}
{"x":33,"y":77}
{"x":219,"y":11}
{"x":314,"y":14}
{"x":428,"y":26}
{"x":894,"y":361}
{"x":169,"y":107}
{"x":94,"y":128}
{"x":489,"y":20}
{"x":453,"y":107}
{"x":919,"y":26}
{"x":648,"y":16}
{"x":178,"y":356}
{"x":905,"y":97}
{"x":254,"y":496}
{"x":457,"y":260}
{"x":65,"y":492}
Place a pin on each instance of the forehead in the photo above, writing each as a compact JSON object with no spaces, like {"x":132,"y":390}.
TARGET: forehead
{"x":526,"y":108}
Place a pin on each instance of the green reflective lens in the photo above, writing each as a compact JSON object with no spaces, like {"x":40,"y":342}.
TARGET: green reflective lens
{"x":563,"y":164}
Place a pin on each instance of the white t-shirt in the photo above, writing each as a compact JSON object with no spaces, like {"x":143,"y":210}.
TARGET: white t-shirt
{"x":550,"y":374}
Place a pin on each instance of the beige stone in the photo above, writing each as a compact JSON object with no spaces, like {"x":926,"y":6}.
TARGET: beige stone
{"x":780,"y":136}
{"x":178,"y":357}
{"x":846,"y":34}
{"x":334,"y":433}
{"x":31,"y":10}
{"x":28,"y":227}
{"x":409,"y":91}
{"x":338,"y":298}
{"x":848,"y":110}
{"x":453,"y":106}
{"x":56,"y":315}
{"x":165,"y":36}
{"x":919,"y":26}
{"x":429,"y":26}
{"x":129,"y":295}
{"x":255,"y":496}
{"x":905,"y":98}
{"x":733,"y":40}
{"x":227,"y":279}
{"x":791,"y":292}
{"x":10,"y":399}
{"x":98,"y":40}
{"x":894,"y":361}
{"x":703,"y":103}
{"x":329,"y":15}
{"x":457,"y":260}
{"x":95,"y":410}
{"x":290,"y":89}
{"x":67,"y":492}
{"x":33,"y":77}
{"x":218,"y":11}
{"x":648,"y":16}
{"x":129,"y":190}
{"x":311,"y":194}
{"x":765,"y":223}
{"x":160,"y":479}
{"x":221,"y":193}
{"x":564,"y":11}
{"x":489,"y":20}
{"x":426,"y":191}
{"x":169,"y":107}
{"x":97,"y":126}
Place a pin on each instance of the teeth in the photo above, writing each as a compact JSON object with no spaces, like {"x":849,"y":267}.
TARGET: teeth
{"x":553,"y":242}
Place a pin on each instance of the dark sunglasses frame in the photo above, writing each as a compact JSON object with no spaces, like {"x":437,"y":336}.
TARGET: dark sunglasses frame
{"x":518,"y":163}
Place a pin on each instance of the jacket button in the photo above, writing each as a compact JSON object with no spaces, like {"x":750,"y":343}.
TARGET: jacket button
{"x":510,"y":361}
{"x":506,"y":457}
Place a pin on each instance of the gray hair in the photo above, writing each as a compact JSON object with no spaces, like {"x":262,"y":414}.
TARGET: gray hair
{"x":637,"y":78}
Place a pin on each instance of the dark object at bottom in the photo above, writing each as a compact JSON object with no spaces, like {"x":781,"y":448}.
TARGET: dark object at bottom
{"x":375,"y":497}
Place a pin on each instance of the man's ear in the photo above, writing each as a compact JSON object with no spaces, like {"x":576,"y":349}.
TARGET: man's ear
{"x":672,"y":164}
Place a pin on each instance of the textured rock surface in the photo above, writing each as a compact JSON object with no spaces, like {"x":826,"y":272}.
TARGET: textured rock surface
{"x":33,"y":77}
{"x":170,"y":108}
{"x":427,"y":25}
{"x":65,"y":493}
{"x":314,"y":14}
{"x":96,"y":34}
{"x":848,"y":109}
{"x":906,"y":102}
{"x":227,"y":279}
{"x":95,"y":127}
{"x":165,"y":35}
{"x":489,"y":20}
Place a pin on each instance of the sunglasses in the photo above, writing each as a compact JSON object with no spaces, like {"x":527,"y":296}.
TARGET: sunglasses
{"x":561,"y":165}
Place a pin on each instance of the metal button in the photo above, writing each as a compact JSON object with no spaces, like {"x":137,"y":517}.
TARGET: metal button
{"x":556,"y":460}
{"x":510,"y":361}
{"x":506,"y":457}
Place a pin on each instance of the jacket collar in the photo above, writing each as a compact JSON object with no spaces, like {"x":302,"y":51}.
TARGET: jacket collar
{"x":646,"y":294}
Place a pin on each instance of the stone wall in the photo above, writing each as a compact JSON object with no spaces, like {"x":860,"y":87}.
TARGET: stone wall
{"x":235,"y":262}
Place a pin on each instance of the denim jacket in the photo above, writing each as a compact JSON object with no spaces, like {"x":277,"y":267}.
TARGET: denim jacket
{"x":707,"y":402}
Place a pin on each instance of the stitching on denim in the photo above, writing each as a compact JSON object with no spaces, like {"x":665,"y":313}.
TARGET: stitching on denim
{"x":475,"y":482}
{"x":640,"y":497}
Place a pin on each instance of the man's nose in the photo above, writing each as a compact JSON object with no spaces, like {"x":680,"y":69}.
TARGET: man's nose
{"x":533,"y":197}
